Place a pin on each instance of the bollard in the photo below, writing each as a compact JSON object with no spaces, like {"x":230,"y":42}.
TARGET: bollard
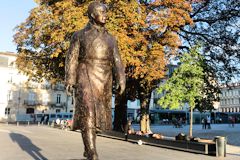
{"x":48,"y":123}
{"x":53,"y":123}
{"x":17,"y":123}
{"x":28,"y":123}
{"x":220,"y":146}
{"x":7,"y":123}
{"x":38,"y":123}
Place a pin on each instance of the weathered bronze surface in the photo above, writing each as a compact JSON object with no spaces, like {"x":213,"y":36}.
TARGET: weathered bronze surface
{"x":92,"y":57}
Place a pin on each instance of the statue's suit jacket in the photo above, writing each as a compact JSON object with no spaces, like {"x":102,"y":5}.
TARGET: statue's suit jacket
{"x":92,"y":58}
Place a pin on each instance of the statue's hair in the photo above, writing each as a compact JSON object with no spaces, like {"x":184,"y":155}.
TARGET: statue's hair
{"x":92,"y":7}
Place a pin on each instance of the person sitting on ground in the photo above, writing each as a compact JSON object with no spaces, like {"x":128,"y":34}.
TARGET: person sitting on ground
{"x":58,"y":121}
{"x":130,"y":129}
{"x":157,"y":136}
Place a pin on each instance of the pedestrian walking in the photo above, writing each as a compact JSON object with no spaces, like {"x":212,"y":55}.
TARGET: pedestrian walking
{"x":203,"y":123}
{"x":209,"y":122}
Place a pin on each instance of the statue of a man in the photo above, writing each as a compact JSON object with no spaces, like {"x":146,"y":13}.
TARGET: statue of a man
{"x":92,"y":58}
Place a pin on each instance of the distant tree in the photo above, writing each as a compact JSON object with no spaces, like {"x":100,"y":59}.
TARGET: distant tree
{"x":186,"y":84}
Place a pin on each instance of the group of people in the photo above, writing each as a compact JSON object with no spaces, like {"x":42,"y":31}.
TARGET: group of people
{"x":44,"y":119}
{"x":206,"y":122}
{"x":64,"y":123}
{"x":178,"y":122}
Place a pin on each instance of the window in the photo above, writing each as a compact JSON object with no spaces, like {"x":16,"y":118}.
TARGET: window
{"x":221,"y":95}
{"x":30,"y":111}
{"x":138,"y":102}
{"x":31,"y":98}
{"x":235,"y":93}
{"x":58,"y":98}
{"x":7,"y":111}
{"x":59,"y":116}
{"x":45,"y":99}
{"x":53,"y":116}
{"x":128,"y":103}
{"x":39,"y":115}
{"x":58,"y":110}
{"x":223,"y":110}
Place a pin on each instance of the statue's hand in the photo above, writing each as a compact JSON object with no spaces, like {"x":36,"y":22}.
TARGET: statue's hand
{"x":70,"y":90}
{"x":122,"y":87}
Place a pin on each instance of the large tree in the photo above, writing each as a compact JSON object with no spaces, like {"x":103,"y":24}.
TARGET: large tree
{"x":146,"y":37}
{"x":217,"y":27}
{"x":151,"y":39}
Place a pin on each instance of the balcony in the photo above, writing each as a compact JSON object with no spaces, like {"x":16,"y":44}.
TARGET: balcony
{"x":59,"y":87}
{"x":57,"y":105}
{"x":31,"y":102}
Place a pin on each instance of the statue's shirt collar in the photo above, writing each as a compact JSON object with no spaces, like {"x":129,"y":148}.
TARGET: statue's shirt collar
{"x":96,"y":27}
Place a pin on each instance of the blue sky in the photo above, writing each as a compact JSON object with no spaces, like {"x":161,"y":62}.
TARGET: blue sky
{"x":12,"y":13}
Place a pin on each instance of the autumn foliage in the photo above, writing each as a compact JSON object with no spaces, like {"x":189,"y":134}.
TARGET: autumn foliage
{"x":146,"y":35}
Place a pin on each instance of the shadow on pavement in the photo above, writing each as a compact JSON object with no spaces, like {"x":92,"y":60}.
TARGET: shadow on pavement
{"x":27,"y":146}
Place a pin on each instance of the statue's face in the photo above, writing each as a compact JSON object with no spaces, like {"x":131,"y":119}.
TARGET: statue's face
{"x":100,"y":15}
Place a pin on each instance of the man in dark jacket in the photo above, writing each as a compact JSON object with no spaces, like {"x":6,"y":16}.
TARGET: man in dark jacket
{"x":92,"y":57}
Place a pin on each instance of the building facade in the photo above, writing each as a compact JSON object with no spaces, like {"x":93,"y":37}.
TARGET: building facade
{"x":20,"y":99}
{"x":230,"y":98}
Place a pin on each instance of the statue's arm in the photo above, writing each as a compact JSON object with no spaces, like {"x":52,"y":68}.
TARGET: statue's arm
{"x":71,"y":61}
{"x":119,"y":68}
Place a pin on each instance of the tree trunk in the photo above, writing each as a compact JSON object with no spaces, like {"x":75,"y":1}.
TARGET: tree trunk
{"x":120,"y":113}
{"x":145,"y":121}
{"x":191,"y":121}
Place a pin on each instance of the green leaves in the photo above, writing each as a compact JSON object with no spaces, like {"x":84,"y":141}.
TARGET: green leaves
{"x":186,"y":84}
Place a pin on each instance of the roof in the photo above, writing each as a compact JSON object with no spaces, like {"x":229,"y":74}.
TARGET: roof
{"x":8,"y":54}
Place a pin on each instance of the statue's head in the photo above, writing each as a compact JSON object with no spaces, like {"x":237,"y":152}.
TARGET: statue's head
{"x":97,"y":12}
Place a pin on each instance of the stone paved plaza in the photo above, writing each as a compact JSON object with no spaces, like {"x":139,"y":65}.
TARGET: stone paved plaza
{"x":45,"y":143}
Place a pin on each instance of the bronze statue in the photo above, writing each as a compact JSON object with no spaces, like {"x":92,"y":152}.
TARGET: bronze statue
{"x":92,"y":58}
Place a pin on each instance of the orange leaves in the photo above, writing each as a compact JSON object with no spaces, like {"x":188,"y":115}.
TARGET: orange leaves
{"x":146,"y":34}
{"x":136,"y":26}
{"x":170,"y":13}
